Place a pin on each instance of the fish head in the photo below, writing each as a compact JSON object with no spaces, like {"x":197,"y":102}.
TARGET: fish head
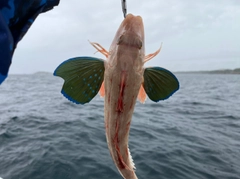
{"x":131,"y":32}
{"x":128,"y":44}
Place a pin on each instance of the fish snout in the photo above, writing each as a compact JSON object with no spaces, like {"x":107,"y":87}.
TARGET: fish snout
{"x":132,"y":32}
{"x":134,"y":24}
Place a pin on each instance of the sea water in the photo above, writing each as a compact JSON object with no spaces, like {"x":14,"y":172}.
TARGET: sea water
{"x":195,"y":134}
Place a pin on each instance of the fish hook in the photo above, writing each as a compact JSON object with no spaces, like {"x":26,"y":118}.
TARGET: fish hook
{"x":124,"y":8}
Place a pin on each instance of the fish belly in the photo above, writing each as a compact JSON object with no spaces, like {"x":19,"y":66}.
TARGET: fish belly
{"x":121,"y":90}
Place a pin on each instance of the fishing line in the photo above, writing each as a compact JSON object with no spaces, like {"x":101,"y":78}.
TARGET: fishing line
{"x":124,"y":8}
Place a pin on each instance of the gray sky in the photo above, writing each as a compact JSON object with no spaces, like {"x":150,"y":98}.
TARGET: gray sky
{"x":196,"y":35}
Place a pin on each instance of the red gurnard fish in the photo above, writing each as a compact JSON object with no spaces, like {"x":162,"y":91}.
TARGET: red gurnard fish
{"x":121,"y":78}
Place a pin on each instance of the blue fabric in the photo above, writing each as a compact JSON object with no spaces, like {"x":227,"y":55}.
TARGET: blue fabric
{"x":16,"y":17}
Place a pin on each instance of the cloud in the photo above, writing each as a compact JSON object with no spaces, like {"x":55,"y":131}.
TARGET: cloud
{"x":195,"y":34}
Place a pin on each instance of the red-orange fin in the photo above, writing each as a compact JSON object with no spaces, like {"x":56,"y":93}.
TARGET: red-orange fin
{"x":151,"y":55}
{"x":100,"y":49}
{"x":142,"y":96}
{"x":102,"y":90}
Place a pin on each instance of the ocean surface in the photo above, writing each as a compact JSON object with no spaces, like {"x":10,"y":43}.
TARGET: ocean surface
{"x":195,"y":134}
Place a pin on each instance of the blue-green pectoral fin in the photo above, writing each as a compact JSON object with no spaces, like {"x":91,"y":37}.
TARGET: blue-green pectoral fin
{"x":159,"y":83}
{"x":83,"y":77}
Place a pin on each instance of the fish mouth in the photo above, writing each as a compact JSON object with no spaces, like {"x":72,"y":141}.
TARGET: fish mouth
{"x":131,"y":32}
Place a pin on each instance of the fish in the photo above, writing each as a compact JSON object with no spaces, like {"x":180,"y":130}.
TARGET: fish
{"x":121,"y":79}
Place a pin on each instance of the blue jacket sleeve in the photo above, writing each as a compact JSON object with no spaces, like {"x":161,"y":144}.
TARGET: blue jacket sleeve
{"x":16,"y":17}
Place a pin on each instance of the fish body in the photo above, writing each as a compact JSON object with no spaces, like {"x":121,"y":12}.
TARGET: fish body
{"x":121,"y":78}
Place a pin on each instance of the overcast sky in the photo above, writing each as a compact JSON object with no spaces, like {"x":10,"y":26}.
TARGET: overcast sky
{"x":196,"y":35}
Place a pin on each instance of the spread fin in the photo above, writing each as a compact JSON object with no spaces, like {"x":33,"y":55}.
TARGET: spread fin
{"x":142,"y":96}
{"x":159,"y":83}
{"x":83,"y":78}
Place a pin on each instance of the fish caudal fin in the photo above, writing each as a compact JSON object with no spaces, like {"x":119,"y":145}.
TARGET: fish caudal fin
{"x":142,"y":96}
{"x":159,"y":83}
{"x":83,"y":77}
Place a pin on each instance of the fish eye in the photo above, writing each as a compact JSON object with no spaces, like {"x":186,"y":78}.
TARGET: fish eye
{"x":140,"y":45}
{"x":130,"y":40}
{"x":120,"y":40}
